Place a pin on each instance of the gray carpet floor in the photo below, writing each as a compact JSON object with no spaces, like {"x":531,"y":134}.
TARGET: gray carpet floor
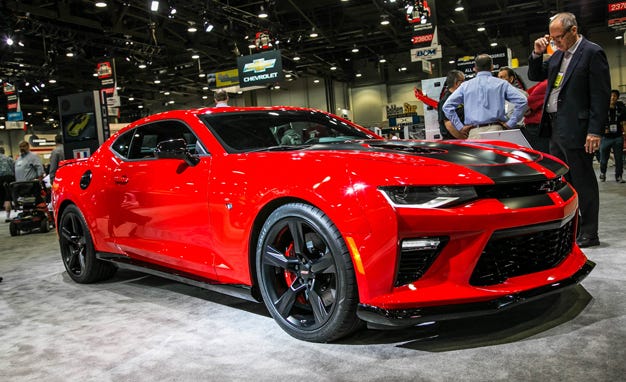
{"x":144,"y":328}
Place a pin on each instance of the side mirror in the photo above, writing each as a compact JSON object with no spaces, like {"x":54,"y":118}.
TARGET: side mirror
{"x":176,"y":149}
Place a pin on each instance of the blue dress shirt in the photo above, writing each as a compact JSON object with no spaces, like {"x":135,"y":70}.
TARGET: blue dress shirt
{"x":483,"y":99}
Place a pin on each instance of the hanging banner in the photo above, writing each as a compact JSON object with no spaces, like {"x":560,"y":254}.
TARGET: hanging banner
{"x":260,"y":68}
{"x":422,"y":17}
{"x":617,"y":14}
{"x":501,"y":57}
{"x":13,"y":100}
{"x":227,"y":78}
{"x":428,"y":53}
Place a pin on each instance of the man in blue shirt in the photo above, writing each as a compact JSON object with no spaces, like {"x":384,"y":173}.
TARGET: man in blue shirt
{"x":484,"y":99}
{"x":27,"y":166}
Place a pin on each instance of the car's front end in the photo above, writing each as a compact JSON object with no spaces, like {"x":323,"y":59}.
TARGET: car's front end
{"x":472,"y":229}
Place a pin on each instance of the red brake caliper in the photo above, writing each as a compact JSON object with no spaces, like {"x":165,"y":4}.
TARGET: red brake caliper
{"x":290,"y":276}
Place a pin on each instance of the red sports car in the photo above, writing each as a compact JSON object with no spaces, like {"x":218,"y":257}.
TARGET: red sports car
{"x":325,"y":222}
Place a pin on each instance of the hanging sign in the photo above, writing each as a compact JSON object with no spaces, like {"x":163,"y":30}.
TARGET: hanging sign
{"x":260,"y":68}
{"x":617,"y":14}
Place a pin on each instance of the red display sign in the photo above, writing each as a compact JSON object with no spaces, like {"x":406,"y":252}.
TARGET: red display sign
{"x":617,"y":15}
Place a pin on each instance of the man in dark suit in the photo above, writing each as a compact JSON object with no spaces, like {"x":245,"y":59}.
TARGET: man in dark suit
{"x":575,"y":110}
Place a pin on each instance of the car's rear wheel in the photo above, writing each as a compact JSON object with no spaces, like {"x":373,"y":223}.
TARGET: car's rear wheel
{"x":305,"y":274}
{"x":78,"y":251}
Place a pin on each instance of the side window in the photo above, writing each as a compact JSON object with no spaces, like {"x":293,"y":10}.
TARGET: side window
{"x":146,"y":138}
{"x":122,"y":144}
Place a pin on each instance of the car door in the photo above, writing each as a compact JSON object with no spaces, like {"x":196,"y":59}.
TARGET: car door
{"x":163,"y":215}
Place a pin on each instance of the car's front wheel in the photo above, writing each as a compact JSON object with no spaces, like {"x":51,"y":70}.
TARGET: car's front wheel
{"x":305,"y":274}
{"x":77,"y":249}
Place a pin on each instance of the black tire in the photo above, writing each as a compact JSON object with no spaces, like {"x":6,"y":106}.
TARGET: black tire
{"x":44,"y":225}
{"x":13,"y":230}
{"x":77,"y":251}
{"x":305,"y":274}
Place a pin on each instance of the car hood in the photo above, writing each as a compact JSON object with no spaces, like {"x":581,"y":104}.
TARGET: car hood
{"x":478,"y":161}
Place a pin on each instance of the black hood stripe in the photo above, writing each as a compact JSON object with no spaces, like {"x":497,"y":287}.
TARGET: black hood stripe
{"x":500,"y":164}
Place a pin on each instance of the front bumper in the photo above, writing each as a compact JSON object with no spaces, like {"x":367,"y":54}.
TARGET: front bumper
{"x":410,"y":317}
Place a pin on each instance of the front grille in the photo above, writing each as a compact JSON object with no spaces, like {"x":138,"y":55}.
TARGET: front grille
{"x":515,"y":190}
{"x":414,"y":263}
{"x":522,"y":251}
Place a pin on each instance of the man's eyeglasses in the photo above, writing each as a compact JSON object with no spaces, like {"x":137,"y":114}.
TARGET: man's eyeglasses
{"x":560,"y":37}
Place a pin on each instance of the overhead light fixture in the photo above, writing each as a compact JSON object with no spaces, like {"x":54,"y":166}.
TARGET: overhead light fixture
{"x":192,"y":27}
{"x":333,"y":68}
{"x":358,"y":75}
{"x":9,"y":41}
{"x":142,"y":66}
{"x":494,"y":43}
{"x":296,"y":58}
{"x":382,"y":60}
{"x":154,"y":6}
{"x":355,"y":49}
{"x":46,"y":100}
{"x":101,"y":4}
{"x":459,"y":7}
{"x":52,"y":81}
{"x":262,"y":13}
{"x":195,"y":56}
{"x":139,"y":106}
{"x":313,"y":33}
{"x":619,"y":37}
{"x":384,"y":20}
{"x":208,"y":26}
{"x":131,"y":98}
{"x":157,"y":81}
{"x":316,"y":81}
{"x":452,"y":62}
{"x":480,"y":29}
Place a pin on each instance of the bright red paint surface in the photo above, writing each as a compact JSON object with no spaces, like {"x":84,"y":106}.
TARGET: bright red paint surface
{"x":203,"y":219}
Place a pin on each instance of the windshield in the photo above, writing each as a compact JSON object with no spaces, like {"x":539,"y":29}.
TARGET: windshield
{"x":286,"y":129}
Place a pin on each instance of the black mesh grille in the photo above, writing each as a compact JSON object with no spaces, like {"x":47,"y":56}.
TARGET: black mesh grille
{"x":512,"y":190}
{"x":415,"y":262}
{"x":522,"y":251}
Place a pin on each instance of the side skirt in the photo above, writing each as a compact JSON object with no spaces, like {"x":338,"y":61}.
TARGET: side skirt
{"x":240,"y":291}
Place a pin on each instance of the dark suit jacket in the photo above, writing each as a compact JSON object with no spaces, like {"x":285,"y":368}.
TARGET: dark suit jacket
{"x":583,"y":103}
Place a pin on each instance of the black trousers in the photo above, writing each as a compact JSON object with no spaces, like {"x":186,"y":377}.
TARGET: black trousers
{"x":583,"y":178}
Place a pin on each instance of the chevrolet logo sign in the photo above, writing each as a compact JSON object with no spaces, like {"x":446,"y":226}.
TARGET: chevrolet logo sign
{"x":259,"y":65}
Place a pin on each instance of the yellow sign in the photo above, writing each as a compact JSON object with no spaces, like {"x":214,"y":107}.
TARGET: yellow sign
{"x":227,"y":78}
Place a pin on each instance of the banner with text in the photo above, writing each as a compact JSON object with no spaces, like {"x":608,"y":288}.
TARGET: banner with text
{"x":260,"y":68}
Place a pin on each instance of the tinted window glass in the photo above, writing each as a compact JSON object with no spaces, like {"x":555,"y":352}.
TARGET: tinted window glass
{"x":145,"y":138}
{"x":264,"y":129}
{"x":122,"y":144}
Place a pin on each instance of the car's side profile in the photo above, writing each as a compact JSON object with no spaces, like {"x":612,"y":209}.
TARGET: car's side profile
{"x":325,"y":222}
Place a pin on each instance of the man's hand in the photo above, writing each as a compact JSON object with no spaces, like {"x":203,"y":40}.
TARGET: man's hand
{"x":592,"y":144}
{"x":453,"y":131}
{"x":541,"y":44}
{"x":466,"y":129}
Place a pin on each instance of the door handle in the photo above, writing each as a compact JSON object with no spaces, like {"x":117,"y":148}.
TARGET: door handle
{"x":120,"y":179}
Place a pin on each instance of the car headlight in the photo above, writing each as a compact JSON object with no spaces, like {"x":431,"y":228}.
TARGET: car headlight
{"x":428,"y":197}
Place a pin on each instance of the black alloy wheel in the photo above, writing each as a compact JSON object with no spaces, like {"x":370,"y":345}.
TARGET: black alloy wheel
{"x":77,"y":249}
{"x":306,"y":275}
